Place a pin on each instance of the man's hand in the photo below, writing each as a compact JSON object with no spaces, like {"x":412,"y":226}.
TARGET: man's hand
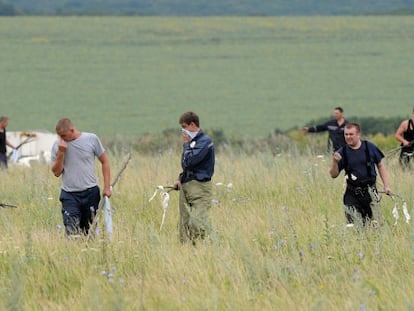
{"x":387,"y":190}
{"x":186,"y":138}
{"x":62,"y":146}
{"x":57,"y":166}
{"x":304,"y":129}
{"x":334,"y":171}
{"x":177,"y":185}
{"x":406,"y":143}
{"x":107,"y":192}
{"x":337,"y":157}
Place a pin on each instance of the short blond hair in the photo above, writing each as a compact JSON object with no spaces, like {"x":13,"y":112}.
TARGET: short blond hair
{"x":64,"y":124}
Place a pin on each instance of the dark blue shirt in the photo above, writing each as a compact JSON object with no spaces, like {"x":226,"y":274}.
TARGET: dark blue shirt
{"x":197,"y":159}
{"x":336,"y":137}
{"x":358,"y":162}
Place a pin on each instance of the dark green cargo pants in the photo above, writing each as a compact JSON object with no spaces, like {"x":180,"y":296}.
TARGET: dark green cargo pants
{"x":195,"y":204}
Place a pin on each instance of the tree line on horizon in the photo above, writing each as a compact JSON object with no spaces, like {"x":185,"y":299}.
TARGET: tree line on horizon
{"x":204,"y":8}
{"x":380,"y":129}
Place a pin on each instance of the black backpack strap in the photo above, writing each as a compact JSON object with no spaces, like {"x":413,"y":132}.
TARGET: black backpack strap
{"x":345,"y":161}
{"x":368,"y":159}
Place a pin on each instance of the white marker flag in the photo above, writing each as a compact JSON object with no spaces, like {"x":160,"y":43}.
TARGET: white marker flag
{"x":108,"y":215}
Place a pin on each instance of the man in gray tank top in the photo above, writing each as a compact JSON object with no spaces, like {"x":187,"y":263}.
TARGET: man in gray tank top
{"x":73,"y":158}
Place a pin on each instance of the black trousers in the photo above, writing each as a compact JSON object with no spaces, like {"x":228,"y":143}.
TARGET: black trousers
{"x":3,"y":160}
{"x":358,"y":204}
{"x":405,"y":156}
{"x":78,"y":209}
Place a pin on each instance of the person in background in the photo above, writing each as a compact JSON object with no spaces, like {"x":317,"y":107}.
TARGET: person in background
{"x":194,"y":183}
{"x":4,"y":122}
{"x":405,"y":135}
{"x":73,"y":158}
{"x":335,"y":128}
{"x":359,"y":158}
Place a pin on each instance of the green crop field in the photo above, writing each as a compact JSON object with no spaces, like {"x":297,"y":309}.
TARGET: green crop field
{"x":247,"y":75}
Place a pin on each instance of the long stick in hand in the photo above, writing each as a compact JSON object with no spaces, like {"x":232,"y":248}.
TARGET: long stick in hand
{"x":27,"y":140}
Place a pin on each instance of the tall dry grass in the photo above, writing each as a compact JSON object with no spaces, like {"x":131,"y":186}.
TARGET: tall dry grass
{"x":279,"y":243}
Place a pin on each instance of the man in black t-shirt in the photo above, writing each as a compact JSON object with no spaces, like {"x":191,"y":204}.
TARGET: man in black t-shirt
{"x":4,"y":122}
{"x":335,"y":129}
{"x":359,"y":158}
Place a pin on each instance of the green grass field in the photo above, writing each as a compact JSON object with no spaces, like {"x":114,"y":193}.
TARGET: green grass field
{"x":126,"y":76}
{"x":279,"y":243}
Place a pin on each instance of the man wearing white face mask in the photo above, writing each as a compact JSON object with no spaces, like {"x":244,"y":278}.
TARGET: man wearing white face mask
{"x":197,"y":162}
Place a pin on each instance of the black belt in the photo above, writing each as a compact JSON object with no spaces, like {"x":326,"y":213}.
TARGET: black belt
{"x":204,"y":180}
{"x":189,"y":176}
{"x":359,"y":189}
{"x":199,"y":180}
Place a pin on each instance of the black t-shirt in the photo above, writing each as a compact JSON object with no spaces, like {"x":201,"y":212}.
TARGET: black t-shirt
{"x":357,"y":161}
{"x":3,"y":142}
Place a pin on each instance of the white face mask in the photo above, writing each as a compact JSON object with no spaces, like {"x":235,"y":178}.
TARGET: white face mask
{"x":189,"y":133}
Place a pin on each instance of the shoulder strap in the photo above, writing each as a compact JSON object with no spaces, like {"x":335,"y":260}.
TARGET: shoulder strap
{"x":410,"y":125}
{"x":368,"y":159}
{"x":345,"y":159}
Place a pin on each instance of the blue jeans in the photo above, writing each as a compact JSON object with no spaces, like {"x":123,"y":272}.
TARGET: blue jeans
{"x":79,"y":209}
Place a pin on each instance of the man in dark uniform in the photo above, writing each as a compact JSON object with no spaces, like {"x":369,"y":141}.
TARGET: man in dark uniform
{"x":405,"y":135}
{"x":335,"y":129}
{"x":197,"y":162}
{"x":359,"y":158}
{"x":4,"y":122}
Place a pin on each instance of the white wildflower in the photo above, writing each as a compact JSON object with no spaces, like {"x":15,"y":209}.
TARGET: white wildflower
{"x":229,"y":187}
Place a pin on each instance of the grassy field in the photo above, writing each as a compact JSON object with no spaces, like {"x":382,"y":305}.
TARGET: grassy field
{"x":126,"y":76}
{"x":279,"y":243}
